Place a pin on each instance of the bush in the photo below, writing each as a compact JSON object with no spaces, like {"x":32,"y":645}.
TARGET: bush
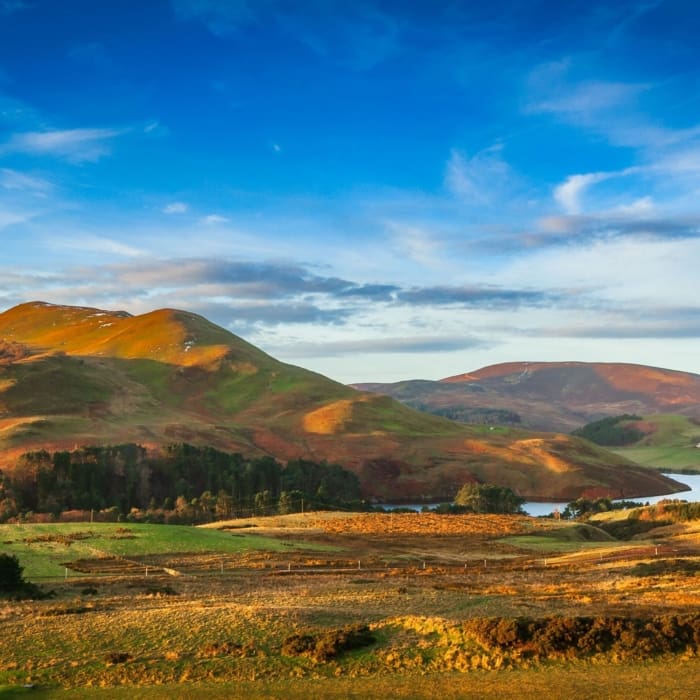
{"x":11,"y":579}
{"x":12,"y":582}
{"x":327,"y":645}
{"x":488,"y":498}
{"x":583,"y":636}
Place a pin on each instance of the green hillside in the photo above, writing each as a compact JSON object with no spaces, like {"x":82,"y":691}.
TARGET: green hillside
{"x":670,"y":443}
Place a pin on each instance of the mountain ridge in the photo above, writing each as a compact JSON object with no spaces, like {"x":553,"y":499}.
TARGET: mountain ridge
{"x":555,"y":396}
{"x":80,"y":375}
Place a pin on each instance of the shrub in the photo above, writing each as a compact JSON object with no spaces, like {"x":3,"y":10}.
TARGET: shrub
{"x":583,"y":636}
{"x":327,"y":645}
{"x":11,"y":579}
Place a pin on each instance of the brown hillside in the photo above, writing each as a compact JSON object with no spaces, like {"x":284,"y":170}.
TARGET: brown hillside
{"x":660,"y":388}
{"x":557,"y":396}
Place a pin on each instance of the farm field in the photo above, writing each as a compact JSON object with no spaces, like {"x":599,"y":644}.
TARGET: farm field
{"x":344,"y":605}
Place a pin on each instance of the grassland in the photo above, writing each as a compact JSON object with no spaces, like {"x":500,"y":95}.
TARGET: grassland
{"x":211,"y":615}
{"x":670,"y":444}
{"x":46,"y":549}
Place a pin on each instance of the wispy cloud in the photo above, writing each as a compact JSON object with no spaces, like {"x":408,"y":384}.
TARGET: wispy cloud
{"x":584,"y":103}
{"x":415,"y":242}
{"x":175,"y":208}
{"x":568,"y":194}
{"x":609,"y":109}
{"x":624,"y":329}
{"x":214,"y":220}
{"x":479,"y":179}
{"x":73,"y":145}
{"x":476,"y":296}
{"x":15,"y":180}
{"x":358,"y":35}
{"x":9,"y":217}
{"x":8,"y":7}
{"x":401,"y":345}
{"x":97,"y":244}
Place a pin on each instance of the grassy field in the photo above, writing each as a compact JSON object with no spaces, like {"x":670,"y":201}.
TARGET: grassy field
{"x":215,"y":615}
{"x":47,"y":550}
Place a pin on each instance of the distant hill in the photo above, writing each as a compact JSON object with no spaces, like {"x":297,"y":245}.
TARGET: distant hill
{"x":551,"y":395}
{"x":74,"y":376}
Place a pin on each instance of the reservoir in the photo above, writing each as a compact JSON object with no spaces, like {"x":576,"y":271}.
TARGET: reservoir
{"x":538,"y":508}
{"x":691,"y":480}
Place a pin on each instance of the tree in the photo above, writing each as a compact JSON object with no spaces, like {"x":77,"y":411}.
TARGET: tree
{"x":488,"y":498}
{"x":262,"y":502}
{"x":11,"y":578}
{"x":224,"y":505}
{"x":286,"y":502}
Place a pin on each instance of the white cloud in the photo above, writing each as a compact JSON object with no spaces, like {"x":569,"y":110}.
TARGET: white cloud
{"x":97,"y":244}
{"x":9,"y":218}
{"x":214,"y":219}
{"x":175,"y":208}
{"x":680,"y":162}
{"x":414,"y":242}
{"x":14,"y":180}
{"x":639,"y":207}
{"x":75,"y":145}
{"x":478,"y":180}
{"x":568,"y":194}
{"x":585,"y":101}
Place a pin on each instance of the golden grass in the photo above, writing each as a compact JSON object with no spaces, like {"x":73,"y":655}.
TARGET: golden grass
{"x":192,"y":638}
{"x":329,"y":419}
{"x":427,"y":524}
{"x":529,"y":451}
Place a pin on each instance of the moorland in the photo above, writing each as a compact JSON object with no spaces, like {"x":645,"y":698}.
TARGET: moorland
{"x":358,"y":605}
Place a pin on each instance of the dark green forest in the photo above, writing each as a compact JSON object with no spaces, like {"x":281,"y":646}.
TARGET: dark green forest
{"x":188,"y":482}
{"x":608,"y":432}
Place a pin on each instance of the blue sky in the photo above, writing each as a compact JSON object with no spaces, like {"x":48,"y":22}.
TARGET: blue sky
{"x":374,"y":190}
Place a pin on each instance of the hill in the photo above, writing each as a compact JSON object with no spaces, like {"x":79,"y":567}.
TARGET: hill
{"x":665,"y":441}
{"x":83,"y":376}
{"x":551,"y":395}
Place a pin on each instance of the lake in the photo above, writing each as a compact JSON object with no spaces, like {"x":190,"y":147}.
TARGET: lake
{"x":536,"y":508}
{"x":692,"y":480}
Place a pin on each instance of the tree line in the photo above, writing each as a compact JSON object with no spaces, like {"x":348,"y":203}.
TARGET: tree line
{"x":197,"y":482}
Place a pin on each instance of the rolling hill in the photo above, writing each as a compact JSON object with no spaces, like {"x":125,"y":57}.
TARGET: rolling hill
{"x":73,"y":376}
{"x":551,"y":395}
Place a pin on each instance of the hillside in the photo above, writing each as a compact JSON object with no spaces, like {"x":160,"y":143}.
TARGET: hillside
{"x":551,"y":395}
{"x":82,"y":376}
{"x":665,"y":441}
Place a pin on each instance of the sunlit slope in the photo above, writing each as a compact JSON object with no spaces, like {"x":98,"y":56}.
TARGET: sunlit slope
{"x":71,"y":376}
